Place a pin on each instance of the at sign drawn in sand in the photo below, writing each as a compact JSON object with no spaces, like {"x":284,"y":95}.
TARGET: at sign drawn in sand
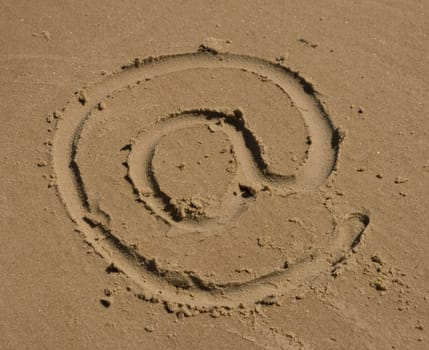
{"x":198,"y":175}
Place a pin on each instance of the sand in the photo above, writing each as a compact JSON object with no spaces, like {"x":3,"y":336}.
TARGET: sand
{"x":189,"y":175}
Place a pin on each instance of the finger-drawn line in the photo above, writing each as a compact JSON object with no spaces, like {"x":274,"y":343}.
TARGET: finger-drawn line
{"x":187,"y":288}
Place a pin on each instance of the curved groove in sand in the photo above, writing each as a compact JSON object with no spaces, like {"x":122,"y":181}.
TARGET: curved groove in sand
{"x":202,"y":295}
{"x":252,"y":169}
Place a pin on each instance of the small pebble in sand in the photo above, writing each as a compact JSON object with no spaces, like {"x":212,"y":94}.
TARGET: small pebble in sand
{"x":376,"y":258}
{"x":112,"y":268}
{"x":106,"y":301}
{"x":419,"y":325}
{"x":149,"y":328}
{"x":400,"y":180}
{"x":81,"y":95}
{"x":281,"y":58}
{"x":215,"y":313}
{"x":299,"y":296}
{"x":378,"y":285}
{"x":102,"y":105}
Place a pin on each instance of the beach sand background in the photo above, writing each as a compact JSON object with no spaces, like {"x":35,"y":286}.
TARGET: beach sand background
{"x":368,"y":62}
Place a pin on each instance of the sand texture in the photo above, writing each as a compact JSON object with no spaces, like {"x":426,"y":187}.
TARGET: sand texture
{"x":199,"y":175}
